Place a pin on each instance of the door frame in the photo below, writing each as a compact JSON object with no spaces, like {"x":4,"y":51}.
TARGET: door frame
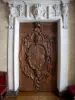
{"x":13,"y":77}
{"x":52,"y":10}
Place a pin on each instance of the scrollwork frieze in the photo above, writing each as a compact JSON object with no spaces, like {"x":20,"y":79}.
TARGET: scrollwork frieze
{"x":39,"y":11}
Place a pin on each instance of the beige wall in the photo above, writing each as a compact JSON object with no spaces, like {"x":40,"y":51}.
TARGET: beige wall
{"x":71,"y":71}
{"x":3,"y":36}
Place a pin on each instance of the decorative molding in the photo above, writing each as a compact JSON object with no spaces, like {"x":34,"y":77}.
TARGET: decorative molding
{"x":37,"y":11}
{"x":37,"y":1}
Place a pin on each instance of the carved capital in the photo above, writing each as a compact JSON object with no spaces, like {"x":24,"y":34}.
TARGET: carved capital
{"x":65,"y":9}
{"x":12,"y":9}
{"x":64,"y":14}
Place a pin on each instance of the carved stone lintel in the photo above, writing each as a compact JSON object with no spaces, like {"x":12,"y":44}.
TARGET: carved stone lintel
{"x":37,"y":11}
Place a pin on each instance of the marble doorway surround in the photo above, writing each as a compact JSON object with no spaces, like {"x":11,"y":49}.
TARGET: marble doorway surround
{"x":32,"y":11}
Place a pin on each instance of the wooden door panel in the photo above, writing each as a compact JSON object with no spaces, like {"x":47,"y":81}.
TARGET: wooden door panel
{"x":38,"y":56}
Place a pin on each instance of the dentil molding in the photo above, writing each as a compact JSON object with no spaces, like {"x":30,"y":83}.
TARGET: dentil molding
{"x":36,"y":10}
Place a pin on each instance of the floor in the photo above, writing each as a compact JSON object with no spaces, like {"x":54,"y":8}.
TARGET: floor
{"x":35,"y":96}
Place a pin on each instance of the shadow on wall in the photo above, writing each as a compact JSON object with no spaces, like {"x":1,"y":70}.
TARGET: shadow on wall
{"x":71,"y":27}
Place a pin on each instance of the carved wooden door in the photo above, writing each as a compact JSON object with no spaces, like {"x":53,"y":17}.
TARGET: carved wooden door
{"x":38,"y":56}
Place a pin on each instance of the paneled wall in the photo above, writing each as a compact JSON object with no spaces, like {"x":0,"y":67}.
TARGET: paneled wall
{"x":3,"y":36}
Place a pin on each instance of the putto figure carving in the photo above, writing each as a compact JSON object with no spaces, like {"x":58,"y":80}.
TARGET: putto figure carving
{"x":38,"y":11}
